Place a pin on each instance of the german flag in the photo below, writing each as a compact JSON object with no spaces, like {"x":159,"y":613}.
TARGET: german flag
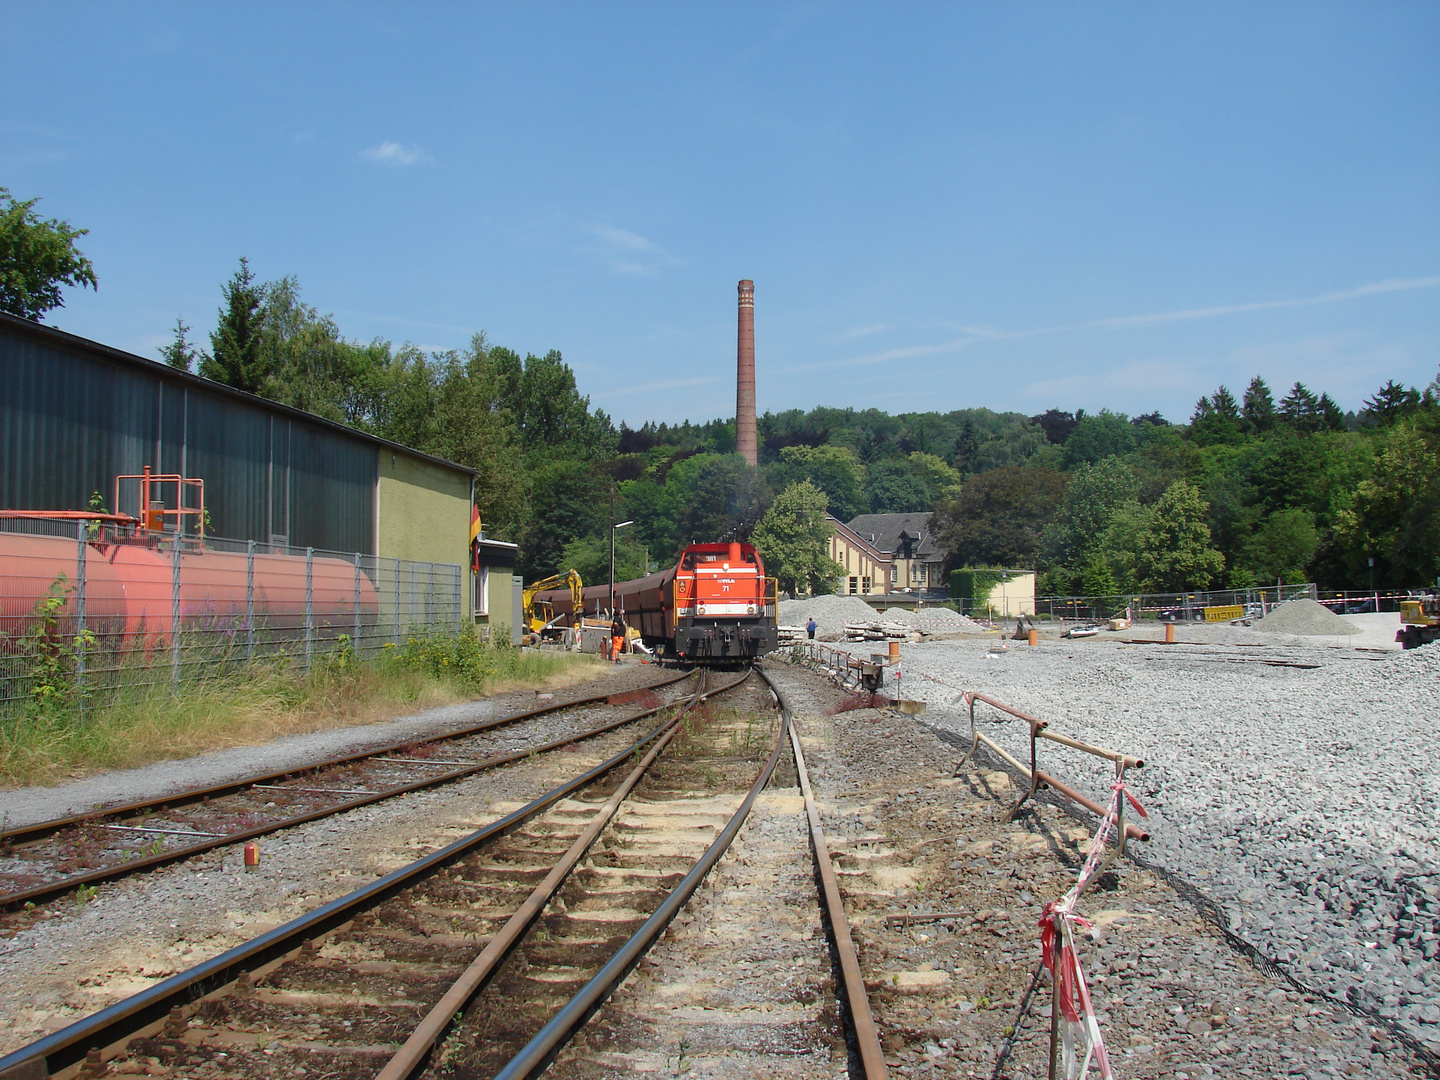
{"x":475,"y":539}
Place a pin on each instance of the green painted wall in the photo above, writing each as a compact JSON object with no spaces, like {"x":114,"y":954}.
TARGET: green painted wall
{"x":423,"y":514}
{"x":501,"y":590}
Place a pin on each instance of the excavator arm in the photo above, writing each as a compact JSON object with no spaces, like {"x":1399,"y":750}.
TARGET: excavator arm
{"x":536,"y":619}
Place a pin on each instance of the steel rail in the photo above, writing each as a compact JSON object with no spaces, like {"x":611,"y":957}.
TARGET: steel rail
{"x":27,"y":833}
{"x":416,"y":1052}
{"x":48,"y":890}
{"x":147,"y":1010}
{"x":861,"y":1021}
{"x":551,"y":1039}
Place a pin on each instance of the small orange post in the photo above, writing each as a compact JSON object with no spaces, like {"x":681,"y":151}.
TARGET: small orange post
{"x":1033,"y":636}
{"x":252,"y":857}
{"x":894,"y":651}
{"x":1170,"y":633}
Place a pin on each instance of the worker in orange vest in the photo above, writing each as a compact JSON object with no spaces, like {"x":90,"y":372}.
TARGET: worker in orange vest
{"x":617,"y":637}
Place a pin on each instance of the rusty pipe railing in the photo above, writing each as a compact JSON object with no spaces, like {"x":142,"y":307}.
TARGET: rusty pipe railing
{"x":1039,"y":729}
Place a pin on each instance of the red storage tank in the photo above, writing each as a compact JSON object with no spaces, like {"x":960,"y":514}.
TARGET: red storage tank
{"x":129,"y":586}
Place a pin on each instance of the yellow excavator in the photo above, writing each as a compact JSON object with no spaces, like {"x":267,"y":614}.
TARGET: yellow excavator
{"x":1419,"y":620}
{"x":540,"y":614}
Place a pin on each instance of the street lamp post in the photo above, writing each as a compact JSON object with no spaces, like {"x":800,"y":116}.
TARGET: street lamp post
{"x":613,"y":528}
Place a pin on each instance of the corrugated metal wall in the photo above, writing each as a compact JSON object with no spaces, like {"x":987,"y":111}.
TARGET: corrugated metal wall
{"x":70,"y":422}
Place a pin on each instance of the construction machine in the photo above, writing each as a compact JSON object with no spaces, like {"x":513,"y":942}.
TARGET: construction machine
{"x":1419,"y":620}
{"x":539,"y":615}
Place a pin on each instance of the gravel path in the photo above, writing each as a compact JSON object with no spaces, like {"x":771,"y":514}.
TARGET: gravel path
{"x":1295,"y":785}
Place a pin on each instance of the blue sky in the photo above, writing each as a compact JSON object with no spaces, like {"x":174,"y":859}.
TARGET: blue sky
{"x":1010,"y":205}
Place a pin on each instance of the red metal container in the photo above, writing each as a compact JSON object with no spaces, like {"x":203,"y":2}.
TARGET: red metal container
{"x":129,"y":587}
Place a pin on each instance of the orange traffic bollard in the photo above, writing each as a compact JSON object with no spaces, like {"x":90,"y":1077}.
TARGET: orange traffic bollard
{"x":894,"y":650}
{"x":1033,"y":637}
{"x":252,"y":857}
{"x":1170,"y":633}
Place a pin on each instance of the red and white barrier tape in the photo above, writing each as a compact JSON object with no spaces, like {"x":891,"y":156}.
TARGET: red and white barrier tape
{"x":1062,"y":959}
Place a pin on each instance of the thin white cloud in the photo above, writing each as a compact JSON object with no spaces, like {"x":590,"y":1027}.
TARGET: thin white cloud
{"x":1390,"y":285}
{"x":626,"y":252}
{"x":667,"y":384}
{"x":863,"y":331}
{"x":395,"y":154}
{"x":623,"y":238}
{"x":976,"y":334}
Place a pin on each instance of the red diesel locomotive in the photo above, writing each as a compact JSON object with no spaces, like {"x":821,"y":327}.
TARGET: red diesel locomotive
{"x":714,"y":605}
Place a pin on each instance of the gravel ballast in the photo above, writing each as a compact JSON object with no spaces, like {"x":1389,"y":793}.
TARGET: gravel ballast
{"x":1295,"y":786}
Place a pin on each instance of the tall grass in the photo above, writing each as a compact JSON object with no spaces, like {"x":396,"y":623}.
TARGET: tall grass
{"x":144,"y":722}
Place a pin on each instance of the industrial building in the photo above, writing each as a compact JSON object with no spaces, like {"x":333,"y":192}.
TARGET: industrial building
{"x":75,"y":414}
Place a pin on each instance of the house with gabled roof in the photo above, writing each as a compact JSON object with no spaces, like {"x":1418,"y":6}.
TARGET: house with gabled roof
{"x":914,"y":562}
{"x":866,"y":568}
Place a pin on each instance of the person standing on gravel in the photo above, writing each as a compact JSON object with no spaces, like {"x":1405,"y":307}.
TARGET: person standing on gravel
{"x":617,"y":637}
{"x":810,"y":628}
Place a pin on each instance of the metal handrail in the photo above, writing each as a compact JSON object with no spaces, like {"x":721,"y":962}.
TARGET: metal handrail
{"x":1039,"y":779}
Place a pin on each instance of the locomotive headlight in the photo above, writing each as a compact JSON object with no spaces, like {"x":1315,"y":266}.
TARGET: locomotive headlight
{"x":749,"y":609}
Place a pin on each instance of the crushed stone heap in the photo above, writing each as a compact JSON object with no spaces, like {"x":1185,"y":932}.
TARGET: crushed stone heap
{"x":830,"y":613}
{"x":1305,"y":617}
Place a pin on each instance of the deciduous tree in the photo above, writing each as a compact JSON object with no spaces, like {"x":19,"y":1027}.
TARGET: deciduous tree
{"x":36,"y":258}
{"x":793,"y":539}
{"x":998,"y":517}
{"x":835,"y":470}
{"x":1172,"y":550}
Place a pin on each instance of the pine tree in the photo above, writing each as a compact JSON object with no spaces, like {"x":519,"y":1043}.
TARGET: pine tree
{"x":180,"y":353}
{"x":237,"y":358}
{"x":1301,"y":409}
{"x":1391,"y":402}
{"x":1223,"y":402}
{"x":1258,"y":410}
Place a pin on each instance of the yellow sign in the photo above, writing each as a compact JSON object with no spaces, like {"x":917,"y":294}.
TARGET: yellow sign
{"x":1224,"y":614}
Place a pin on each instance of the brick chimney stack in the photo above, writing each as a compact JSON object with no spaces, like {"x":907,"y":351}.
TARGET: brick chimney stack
{"x":745,"y":442}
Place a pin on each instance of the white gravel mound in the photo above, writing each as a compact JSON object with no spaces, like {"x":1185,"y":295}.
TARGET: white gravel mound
{"x":830,"y":613}
{"x":1305,"y":617}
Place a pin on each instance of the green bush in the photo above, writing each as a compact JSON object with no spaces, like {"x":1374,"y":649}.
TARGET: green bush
{"x":457,"y":657}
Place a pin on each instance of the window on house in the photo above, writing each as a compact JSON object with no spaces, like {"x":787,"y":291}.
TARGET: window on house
{"x":894,"y":573}
{"x":482,"y":591}
{"x":920,"y":572}
{"x":865,"y":585}
{"x":854,"y":585}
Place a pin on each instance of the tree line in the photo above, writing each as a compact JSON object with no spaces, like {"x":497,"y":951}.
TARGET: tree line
{"x":1248,"y":491}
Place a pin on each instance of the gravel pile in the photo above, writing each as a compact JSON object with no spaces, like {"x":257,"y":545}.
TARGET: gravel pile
{"x":1306,"y":617}
{"x":830,"y":613}
{"x":934,"y":620}
{"x":1303,"y":800}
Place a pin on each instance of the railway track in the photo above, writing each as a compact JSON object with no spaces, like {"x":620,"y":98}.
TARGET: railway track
{"x":484,"y":958}
{"x":49,"y":859}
